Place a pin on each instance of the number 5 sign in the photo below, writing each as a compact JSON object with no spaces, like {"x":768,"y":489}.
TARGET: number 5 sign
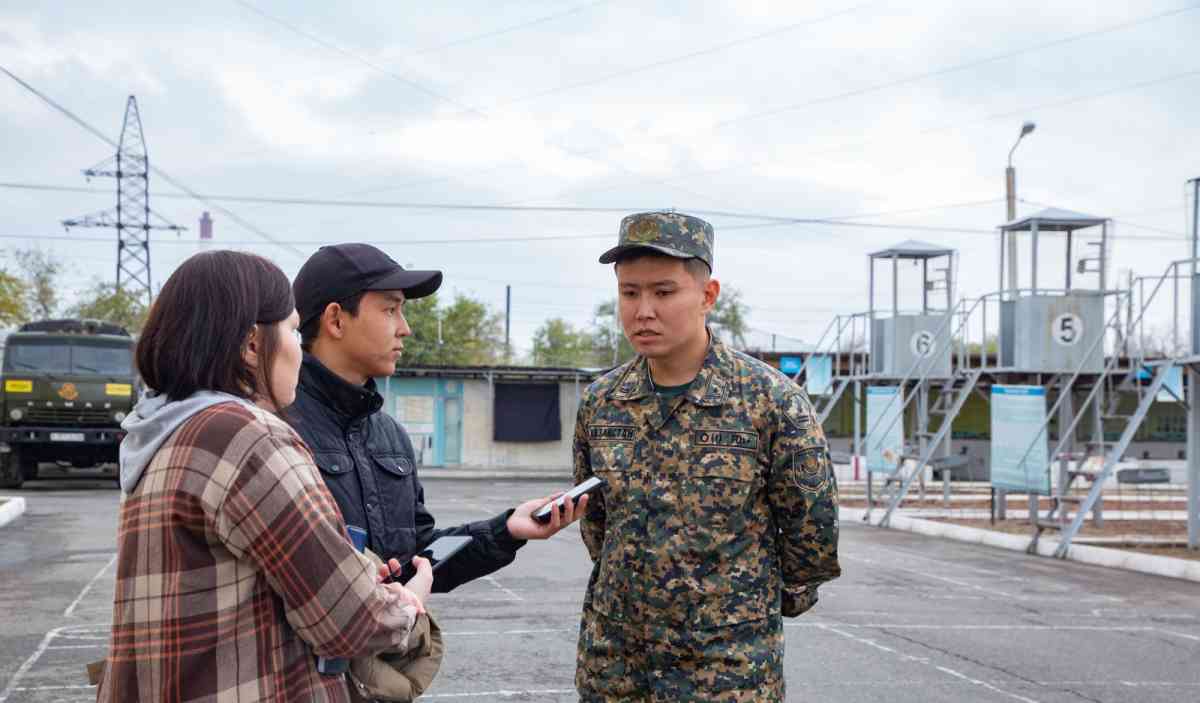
{"x":1067,"y":329}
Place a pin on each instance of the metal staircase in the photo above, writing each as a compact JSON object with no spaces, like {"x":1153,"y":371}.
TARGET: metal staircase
{"x":954,"y":393}
{"x":842,"y":331}
{"x":826,"y":403}
{"x":950,"y":401}
{"x":1097,"y":463}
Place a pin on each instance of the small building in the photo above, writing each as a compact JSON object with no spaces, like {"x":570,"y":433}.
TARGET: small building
{"x":488,"y":416}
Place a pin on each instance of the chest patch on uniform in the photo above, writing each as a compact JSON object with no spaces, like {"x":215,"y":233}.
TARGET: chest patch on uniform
{"x":728,"y":439}
{"x":612,"y":433}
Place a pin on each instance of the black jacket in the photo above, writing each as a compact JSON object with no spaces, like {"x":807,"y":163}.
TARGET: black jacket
{"x":366,"y":459}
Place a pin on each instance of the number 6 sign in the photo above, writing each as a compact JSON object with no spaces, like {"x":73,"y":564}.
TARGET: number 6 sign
{"x":922,"y":344}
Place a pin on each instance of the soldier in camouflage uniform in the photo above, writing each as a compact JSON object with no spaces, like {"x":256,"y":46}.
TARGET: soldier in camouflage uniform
{"x":719,"y":513}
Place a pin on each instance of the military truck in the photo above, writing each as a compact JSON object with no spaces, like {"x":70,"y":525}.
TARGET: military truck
{"x":66,"y":387}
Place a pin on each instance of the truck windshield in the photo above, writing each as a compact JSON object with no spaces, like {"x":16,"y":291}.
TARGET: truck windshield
{"x":59,"y":356}
{"x":111,"y":361}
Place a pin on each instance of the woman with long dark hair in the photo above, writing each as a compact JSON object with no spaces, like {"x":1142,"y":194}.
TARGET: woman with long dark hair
{"x":235,"y":571}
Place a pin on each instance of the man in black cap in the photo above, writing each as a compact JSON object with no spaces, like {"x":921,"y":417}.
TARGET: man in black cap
{"x":350,"y":298}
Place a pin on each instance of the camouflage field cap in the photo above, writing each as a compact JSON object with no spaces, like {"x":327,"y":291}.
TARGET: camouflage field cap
{"x":671,"y":233}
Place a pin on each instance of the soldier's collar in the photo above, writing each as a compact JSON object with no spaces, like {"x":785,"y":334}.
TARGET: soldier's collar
{"x":710,"y":387}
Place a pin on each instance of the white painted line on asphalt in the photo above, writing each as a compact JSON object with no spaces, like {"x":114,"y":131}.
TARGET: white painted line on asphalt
{"x":83,"y":594}
{"x":984,"y":589}
{"x":498,"y":633}
{"x":910,"y":555}
{"x":1170,"y":567}
{"x":11,"y":509}
{"x":1033,"y":628}
{"x":69,"y":632}
{"x":507,"y":693}
{"x":504,"y":693}
{"x":492,"y":580}
{"x":1177,"y":634}
{"x":984,"y":684}
{"x":28,"y":664}
{"x":908,"y":657}
{"x":875,"y":626}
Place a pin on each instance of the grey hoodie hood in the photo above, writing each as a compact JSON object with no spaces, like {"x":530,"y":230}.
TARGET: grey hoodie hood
{"x":152,"y":422}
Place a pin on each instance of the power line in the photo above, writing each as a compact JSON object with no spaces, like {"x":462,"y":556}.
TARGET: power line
{"x":588,"y":154}
{"x":942,"y":71}
{"x":505,"y":30}
{"x":314,"y":244}
{"x":155,"y":170}
{"x":740,"y":165}
{"x":770,"y":219}
{"x":435,"y":94}
{"x":686,"y":57}
{"x":1174,"y":236}
{"x":429,"y":92}
{"x":961,"y":66}
{"x":922,"y":76}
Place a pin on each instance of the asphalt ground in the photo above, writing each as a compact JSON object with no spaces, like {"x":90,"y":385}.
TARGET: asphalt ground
{"x":912,"y":618}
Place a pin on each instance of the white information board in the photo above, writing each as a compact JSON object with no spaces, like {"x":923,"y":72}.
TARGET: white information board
{"x":885,"y":429}
{"x":1017,"y":416}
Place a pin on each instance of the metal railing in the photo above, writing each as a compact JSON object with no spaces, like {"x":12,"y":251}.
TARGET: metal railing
{"x":1066,"y":434}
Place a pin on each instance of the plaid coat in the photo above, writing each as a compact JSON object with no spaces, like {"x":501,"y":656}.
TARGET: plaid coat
{"x":234,"y":569}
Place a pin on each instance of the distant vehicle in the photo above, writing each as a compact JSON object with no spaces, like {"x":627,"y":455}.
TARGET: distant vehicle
{"x":67,"y":385}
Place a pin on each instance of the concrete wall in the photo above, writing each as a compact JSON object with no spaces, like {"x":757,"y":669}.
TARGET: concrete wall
{"x":479,"y":450}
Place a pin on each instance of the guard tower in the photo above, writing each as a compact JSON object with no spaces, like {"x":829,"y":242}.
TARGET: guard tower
{"x":914,"y":391}
{"x":900,"y":339}
{"x":1047,"y":337}
{"x":910,"y":362}
{"x":1046,"y":329}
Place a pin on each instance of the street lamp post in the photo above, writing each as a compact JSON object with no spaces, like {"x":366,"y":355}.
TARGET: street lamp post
{"x":1010,"y":183}
{"x":1000,"y":500}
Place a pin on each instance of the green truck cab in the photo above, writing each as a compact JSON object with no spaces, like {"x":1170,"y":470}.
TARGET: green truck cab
{"x":66,"y":386}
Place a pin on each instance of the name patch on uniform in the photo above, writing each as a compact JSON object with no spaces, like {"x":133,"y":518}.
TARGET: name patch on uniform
{"x":730,"y":439}
{"x":612,"y":433}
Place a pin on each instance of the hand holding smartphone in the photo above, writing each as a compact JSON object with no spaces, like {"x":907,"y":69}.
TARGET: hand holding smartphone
{"x":438,"y":552}
{"x":542,"y":515}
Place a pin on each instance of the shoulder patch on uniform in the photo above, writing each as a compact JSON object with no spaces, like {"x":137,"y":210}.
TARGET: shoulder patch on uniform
{"x":612,"y":433}
{"x":798,"y":412}
{"x":730,"y":439}
{"x":811,"y":468}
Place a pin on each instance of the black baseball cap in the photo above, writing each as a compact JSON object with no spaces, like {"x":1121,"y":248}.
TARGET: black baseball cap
{"x":338,"y":271}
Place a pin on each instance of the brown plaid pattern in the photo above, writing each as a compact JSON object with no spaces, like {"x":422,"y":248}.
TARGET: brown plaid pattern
{"x":234,"y":569}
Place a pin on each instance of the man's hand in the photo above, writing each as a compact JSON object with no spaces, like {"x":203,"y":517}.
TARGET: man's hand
{"x":416,"y":591}
{"x":521,"y":524}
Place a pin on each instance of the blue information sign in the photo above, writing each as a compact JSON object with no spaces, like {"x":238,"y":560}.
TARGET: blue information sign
{"x":790,"y":364}
{"x":1020,"y":457}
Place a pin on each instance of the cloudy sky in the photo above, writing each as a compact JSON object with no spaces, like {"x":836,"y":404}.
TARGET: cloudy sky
{"x":895,"y":118}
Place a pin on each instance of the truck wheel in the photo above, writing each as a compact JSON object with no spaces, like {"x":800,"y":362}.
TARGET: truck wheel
{"x":10,"y":473}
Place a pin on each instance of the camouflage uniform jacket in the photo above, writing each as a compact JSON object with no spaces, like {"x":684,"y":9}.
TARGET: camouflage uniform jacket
{"x":722,"y":511}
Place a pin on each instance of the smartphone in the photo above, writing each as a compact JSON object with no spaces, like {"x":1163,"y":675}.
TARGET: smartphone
{"x":438,"y":552}
{"x":592,"y":484}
